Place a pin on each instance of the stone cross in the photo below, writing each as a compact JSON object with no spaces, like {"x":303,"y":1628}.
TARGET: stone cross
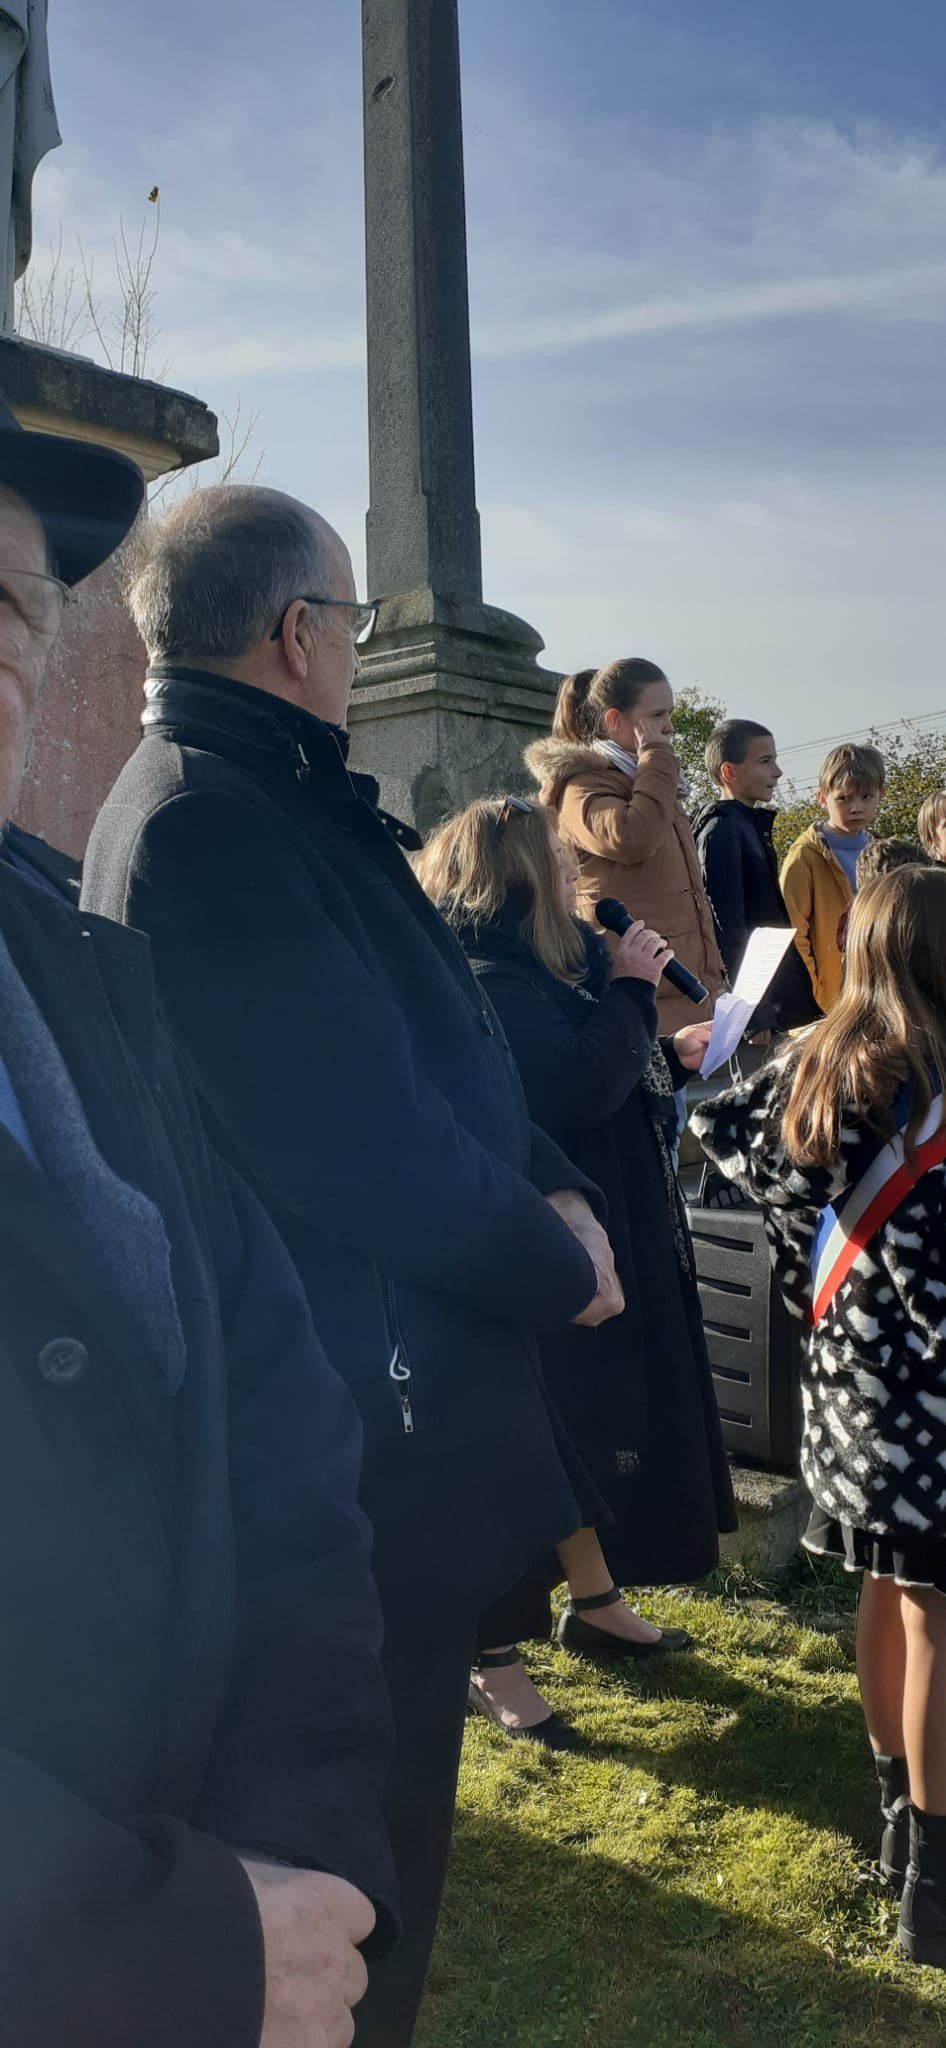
{"x":450,"y":691}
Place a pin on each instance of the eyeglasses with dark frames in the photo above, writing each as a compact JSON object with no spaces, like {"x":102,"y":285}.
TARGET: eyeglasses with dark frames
{"x":362,"y":625}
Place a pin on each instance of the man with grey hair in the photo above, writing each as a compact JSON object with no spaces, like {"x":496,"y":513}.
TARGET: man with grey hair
{"x":193,"y":1726}
{"x":347,"y":1061}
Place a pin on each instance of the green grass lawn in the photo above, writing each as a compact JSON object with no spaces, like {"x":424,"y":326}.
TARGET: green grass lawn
{"x":702,"y":1875}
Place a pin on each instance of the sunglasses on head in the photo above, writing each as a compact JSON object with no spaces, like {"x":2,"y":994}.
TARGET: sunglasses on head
{"x":510,"y":804}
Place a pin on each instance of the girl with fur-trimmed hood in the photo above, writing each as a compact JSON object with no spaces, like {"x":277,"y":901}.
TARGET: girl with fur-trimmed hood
{"x":610,"y":773}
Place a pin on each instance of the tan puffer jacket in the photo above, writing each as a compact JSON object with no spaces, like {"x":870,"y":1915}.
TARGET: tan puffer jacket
{"x":632,"y":839}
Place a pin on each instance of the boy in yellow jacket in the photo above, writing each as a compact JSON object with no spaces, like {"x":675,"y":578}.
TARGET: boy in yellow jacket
{"x":819,"y":875}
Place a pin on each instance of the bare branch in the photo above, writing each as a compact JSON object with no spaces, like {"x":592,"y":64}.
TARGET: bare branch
{"x":239,"y":436}
{"x":48,"y":312}
{"x":97,"y":320}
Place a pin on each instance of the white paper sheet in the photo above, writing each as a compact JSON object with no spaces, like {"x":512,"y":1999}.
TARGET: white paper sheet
{"x":766,"y":949}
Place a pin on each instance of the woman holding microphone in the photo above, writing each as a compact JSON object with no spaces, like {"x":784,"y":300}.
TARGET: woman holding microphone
{"x":636,"y":1397}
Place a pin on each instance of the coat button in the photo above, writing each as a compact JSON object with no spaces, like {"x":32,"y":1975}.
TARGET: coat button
{"x":62,"y":1360}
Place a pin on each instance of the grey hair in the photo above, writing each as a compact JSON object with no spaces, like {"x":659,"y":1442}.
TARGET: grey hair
{"x":210,"y":578}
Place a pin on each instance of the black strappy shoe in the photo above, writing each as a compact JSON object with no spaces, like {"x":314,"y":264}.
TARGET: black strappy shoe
{"x":583,"y":1640}
{"x":552,"y":1733}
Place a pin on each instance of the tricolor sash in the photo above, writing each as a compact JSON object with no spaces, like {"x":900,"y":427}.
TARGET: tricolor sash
{"x":846,"y":1230}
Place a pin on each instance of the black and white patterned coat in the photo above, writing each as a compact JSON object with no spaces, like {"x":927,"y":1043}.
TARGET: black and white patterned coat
{"x":874,"y":1372}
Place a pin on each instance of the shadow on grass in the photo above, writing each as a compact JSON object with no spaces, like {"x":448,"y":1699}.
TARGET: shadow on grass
{"x":550,"y":1948}
{"x":780,"y":1749}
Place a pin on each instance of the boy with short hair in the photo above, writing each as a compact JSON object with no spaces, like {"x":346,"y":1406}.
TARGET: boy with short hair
{"x":819,"y":874}
{"x":931,"y":825}
{"x":740,"y":869}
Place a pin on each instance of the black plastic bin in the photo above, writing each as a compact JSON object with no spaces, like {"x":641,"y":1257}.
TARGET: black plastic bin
{"x":754,"y":1345}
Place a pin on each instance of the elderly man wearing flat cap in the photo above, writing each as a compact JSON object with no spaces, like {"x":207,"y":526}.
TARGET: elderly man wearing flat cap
{"x":193,"y":1727}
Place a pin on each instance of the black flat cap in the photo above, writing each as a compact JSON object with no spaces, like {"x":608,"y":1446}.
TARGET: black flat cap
{"x":86,"y":498}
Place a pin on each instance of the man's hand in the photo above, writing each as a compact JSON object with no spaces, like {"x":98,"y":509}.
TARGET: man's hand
{"x":609,"y":1299}
{"x":314,"y":1973}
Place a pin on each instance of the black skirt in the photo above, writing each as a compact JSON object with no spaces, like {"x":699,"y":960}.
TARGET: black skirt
{"x":914,"y":1562}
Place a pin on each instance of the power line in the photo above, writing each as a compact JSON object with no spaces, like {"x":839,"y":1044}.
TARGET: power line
{"x":920,"y":719}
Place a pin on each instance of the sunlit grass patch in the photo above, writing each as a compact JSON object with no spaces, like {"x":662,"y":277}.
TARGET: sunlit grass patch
{"x":701,"y":1875}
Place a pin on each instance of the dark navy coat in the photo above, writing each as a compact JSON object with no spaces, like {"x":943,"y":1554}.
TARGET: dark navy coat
{"x":740,"y":875}
{"x":349,"y":1063}
{"x":190,"y":1633}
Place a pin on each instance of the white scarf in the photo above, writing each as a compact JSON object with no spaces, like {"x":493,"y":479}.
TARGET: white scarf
{"x":620,"y":758}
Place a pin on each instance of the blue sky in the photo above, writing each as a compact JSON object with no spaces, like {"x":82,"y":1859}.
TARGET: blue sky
{"x":708,"y":282}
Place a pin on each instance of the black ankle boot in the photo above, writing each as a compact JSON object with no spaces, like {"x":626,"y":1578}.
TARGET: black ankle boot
{"x":923,"y":1906}
{"x":895,"y":1807}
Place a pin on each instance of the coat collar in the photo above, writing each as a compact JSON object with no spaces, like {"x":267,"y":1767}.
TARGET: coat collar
{"x":499,"y":943}
{"x":815,"y":837}
{"x":223,"y":716}
{"x":760,"y":818}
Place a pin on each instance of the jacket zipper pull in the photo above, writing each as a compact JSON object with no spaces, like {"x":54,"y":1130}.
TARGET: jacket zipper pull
{"x":401,"y":1375}
{"x":302,"y":765}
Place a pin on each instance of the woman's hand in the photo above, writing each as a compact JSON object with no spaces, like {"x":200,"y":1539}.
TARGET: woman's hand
{"x":649,"y":732}
{"x":690,"y":1045}
{"x":641,"y":955}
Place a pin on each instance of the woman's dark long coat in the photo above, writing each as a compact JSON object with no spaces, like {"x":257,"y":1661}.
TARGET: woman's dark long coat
{"x":636,"y":1396}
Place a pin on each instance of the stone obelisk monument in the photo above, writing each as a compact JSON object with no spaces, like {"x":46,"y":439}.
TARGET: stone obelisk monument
{"x":451,"y":690}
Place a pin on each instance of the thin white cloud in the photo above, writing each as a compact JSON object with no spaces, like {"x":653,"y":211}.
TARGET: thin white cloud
{"x":742,"y":226}
{"x":780,"y":220}
{"x":922,"y":287}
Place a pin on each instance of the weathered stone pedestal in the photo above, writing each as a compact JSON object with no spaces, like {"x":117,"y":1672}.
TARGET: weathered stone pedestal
{"x":450,"y":695}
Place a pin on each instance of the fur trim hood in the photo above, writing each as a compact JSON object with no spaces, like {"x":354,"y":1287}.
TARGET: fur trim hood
{"x":554,"y":761}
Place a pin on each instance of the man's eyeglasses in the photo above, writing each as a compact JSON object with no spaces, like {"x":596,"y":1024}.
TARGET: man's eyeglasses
{"x":363,"y":622}
{"x":37,"y":600}
{"x":508,"y":805}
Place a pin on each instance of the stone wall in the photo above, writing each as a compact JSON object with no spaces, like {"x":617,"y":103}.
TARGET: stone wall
{"x":88,"y":716}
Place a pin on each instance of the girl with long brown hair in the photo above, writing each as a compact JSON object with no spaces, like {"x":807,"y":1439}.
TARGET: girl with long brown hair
{"x":636,"y":1397}
{"x":842,"y":1143}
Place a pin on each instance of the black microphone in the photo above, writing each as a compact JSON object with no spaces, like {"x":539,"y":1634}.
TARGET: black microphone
{"x":615,"y":918}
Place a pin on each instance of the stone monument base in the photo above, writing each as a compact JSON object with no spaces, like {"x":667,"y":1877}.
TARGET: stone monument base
{"x":773,"y":1512}
{"x":449,"y":697}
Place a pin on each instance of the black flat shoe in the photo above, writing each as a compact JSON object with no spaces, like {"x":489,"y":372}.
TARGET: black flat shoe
{"x":552,"y":1733}
{"x":584,"y":1640}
